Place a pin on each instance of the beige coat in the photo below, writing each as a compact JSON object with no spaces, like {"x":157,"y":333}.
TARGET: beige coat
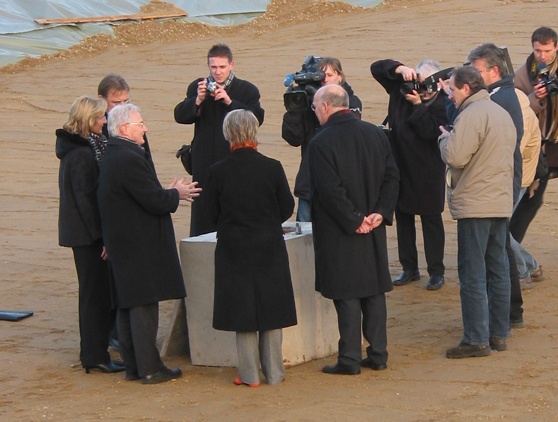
{"x":479,"y":154}
{"x":530,"y":142}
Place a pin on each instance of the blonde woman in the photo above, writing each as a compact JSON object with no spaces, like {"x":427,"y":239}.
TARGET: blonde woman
{"x":80,"y":146}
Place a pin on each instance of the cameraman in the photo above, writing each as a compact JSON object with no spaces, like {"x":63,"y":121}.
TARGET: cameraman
{"x":527,"y":78}
{"x":299,"y":127}
{"x":414,"y":119}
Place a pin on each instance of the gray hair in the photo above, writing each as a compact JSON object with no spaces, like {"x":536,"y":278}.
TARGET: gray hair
{"x":118,"y":116}
{"x":428,"y":67}
{"x":492,"y":55}
{"x":241,"y":126}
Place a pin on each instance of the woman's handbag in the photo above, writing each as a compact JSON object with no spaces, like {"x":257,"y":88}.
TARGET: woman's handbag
{"x":185,"y":155}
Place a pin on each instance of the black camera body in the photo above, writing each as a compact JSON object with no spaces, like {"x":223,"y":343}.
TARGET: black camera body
{"x":546,"y":80}
{"x":299,"y":97}
{"x":408,"y":87}
{"x":429,"y":85}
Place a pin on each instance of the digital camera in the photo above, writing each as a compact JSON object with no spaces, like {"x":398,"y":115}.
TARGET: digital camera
{"x":211,"y":86}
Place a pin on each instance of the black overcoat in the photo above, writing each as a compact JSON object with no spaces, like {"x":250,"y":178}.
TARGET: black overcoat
{"x":353,"y":174}
{"x":299,"y":127}
{"x":414,"y":142}
{"x":248,"y":198}
{"x":137,"y":227}
{"x":209,"y":144}
{"x":79,"y":222}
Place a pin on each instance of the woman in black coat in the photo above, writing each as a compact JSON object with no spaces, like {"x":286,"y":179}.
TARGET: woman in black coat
{"x":248,"y":197}
{"x":80,"y":146}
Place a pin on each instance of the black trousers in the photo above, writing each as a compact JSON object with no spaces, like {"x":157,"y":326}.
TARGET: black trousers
{"x":516,"y":298}
{"x":137,"y":334}
{"x":526,"y":211}
{"x":434,"y":241}
{"x":94,"y":306}
{"x":373,"y":313}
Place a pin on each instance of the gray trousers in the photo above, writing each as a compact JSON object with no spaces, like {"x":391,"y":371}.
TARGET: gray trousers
{"x":263,"y":348}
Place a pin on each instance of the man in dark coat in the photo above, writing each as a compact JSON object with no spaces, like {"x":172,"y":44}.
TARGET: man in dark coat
{"x":354,"y":190}
{"x":207,"y":102}
{"x":414,"y":117}
{"x":139,"y":237}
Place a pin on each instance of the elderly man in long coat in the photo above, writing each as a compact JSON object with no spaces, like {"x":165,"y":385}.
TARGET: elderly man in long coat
{"x":354,"y":191}
{"x":139,"y":237}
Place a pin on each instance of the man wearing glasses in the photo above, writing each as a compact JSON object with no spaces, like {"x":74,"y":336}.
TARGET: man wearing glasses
{"x":139,"y":237}
{"x":416,"y":110}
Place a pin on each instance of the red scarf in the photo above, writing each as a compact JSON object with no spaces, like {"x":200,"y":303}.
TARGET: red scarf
{"x":247,"y":144}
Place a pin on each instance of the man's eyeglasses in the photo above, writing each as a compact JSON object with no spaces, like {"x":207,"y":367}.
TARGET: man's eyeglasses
{"x":313,"y":107}
{"x":140,"y":124}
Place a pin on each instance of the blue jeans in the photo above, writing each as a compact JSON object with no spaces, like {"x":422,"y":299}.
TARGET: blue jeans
{"x":526,"y":264}
{"x":484,"y":278}
{"x":303,"y":213}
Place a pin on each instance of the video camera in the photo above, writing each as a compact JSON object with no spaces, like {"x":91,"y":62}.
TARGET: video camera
{"x":429,"y":85}
{"x":299,"y":97}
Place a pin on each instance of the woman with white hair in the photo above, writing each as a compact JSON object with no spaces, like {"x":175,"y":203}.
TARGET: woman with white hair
{"x":248,"y":197}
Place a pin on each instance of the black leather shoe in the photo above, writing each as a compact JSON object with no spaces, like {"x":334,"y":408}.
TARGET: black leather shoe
{"x":340,"y":369}
{"x":435,"y":282}
{"x":132,"y":376}
{"x":406,"y":277}
{"x":367,"y":363}
{"x":107,"y":368}
{"x":165,"y":374}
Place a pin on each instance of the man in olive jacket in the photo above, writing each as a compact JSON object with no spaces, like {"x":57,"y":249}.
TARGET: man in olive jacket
{"x":479,"y":153}
{"x":139,"y":237}
{"x":354,"y":190}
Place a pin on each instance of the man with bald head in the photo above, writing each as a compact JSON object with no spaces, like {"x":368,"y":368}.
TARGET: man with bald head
{"x":354,"y":183}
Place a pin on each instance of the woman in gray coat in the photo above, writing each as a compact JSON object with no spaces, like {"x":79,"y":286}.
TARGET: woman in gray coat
{"x":248,"y":197}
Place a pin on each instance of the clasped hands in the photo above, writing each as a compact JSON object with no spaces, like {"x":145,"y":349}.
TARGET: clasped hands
{"x":370,"y":222}
{"x":187,"y":191}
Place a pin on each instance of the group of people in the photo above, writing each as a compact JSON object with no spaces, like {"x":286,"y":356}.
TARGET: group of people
{"x":475,"y":136}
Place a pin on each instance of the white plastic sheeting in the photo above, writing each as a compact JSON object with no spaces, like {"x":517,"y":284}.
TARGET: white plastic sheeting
{"x":21,"y":37}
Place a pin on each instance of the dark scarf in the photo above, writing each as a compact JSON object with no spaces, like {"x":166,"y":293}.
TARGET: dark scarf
{"x":99,"y":145}
{"x":548,"y":114}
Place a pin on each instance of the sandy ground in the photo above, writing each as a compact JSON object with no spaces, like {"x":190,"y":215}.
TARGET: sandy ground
{"x":40,"y":375}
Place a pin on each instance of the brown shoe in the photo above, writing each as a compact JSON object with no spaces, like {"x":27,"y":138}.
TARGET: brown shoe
{"x":537,"y":275}
{"x":498,"y":344}
{"x":465,"y":350}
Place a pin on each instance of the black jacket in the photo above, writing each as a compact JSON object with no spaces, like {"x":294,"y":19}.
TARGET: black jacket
{"x":79,"y":223}
{"x":503,"y":94}
{"x":137,"y":227}
{"x":248,"y":198}
{"x":353,"y":174}
{"x":298,"y":129}
{"x":414,"y":141}
{"x":209,"y":144}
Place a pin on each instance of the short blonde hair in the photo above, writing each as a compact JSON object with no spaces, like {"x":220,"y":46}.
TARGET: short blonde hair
{"x":84,"y":114}
{"x":241,"y":126}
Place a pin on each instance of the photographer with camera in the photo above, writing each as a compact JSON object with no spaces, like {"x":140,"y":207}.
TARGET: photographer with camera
{"x":300,"y":122}
{"x":207,"y":102}
{"x":537,"y":78}
{"x":416,"y":110}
